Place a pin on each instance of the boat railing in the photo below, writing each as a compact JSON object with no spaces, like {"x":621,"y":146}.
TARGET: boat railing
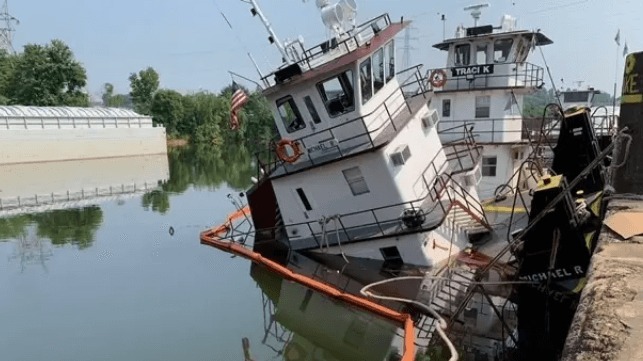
{"x":61,"y":122}
{"x":487,"y":130}
{"x":354,"y":135}
{"x":512,"y":75}
{"x":347,"y":42}
{"x":415,"y":84}
{"x":441,"y":193}
{"x":462,"y":153}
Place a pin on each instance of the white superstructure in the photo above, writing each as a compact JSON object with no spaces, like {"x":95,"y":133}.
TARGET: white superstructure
{"x":360,"y":168}
{"x":483,"y":86}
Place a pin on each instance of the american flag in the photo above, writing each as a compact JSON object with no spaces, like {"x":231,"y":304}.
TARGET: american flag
{"x":239,"y":99}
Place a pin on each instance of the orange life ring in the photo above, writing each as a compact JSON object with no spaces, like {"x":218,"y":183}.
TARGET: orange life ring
{"x":438,"y":78}
{"x":282,"y":150}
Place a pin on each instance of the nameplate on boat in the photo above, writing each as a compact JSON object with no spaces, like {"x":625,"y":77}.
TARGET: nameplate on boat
{"x":323,"y":147}
{"x":472,"y":70}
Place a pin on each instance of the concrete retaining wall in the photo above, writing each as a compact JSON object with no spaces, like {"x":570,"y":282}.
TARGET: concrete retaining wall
{"x":44,"y":145}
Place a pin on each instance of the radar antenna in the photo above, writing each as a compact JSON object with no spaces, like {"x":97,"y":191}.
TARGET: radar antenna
{"x":7,"y":23}
{"x":476,"y":11}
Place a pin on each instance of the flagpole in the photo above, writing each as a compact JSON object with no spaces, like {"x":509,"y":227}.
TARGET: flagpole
{"x":618,"y":48}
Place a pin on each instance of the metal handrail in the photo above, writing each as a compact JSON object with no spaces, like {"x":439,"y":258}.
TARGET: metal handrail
{"x":273,"y":164}
{"x":353,"y":37}
{"x":35,"y":122}
{"x":529,"y":74}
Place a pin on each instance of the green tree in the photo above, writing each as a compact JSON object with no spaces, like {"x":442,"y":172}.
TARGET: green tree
{"x":167,"y":109}
{"x":47,"y":76}
{"x":143,"y":87}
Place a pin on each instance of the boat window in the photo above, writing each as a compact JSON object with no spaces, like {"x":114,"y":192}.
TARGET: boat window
{"x":576,"y":97}
{"x":462,"y":54}
{"x":483,"y":106}
{"x":391,"y":254}
{"x":481,"y":54}
{"x":304,"y":199}
{"x":378,"y":72}
{"x":311,"y":109}
{"x":356,"y":181}
{"x":390,"y":56}
{"x":366,"y":80}
{"x":337,"y":93}
{"x":290,"y":115}
{"x":489,"y":165}
{"x":501,"y":50}
{"x":446,"y":107}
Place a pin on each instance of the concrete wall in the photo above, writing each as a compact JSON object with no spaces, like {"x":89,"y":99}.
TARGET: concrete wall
{"x":44,"y":145}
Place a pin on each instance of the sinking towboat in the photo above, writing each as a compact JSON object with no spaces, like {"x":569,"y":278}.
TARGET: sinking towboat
{"x":359,"y":169}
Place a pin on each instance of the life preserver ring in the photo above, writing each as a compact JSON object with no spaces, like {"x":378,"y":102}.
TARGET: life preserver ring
{"x":438,"y":78}
{"x":282,"y":150}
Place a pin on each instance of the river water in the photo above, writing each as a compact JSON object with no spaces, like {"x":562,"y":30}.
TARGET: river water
{"x":90,"y":271}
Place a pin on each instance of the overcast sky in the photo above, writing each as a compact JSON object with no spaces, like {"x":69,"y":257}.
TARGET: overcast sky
{"x":189,"y":43}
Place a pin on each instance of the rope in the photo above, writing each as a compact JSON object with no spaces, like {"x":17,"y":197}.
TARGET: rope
{"x":442,"y":324}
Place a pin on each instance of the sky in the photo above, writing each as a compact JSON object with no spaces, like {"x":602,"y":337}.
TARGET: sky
{"x":192,"y":47}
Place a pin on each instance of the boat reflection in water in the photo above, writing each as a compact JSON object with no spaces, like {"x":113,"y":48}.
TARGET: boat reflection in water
{"x":301,"y":324}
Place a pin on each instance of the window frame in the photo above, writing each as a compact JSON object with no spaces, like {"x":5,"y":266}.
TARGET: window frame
{"x":342,"y":77}
{"x":489,"y":166}
{"x":478,"y":108}
{"x":367,"y":83}
{"x":466,"y":56}
{"x":288,"y":99}
{"x":446,"y":108}
{"x":314,"y":114}
{"x":360,"y":179}
{"x":389,"y":59}
{"x":509,"y":48}
{"x":379,"y":73}
{"x":479,"y":46}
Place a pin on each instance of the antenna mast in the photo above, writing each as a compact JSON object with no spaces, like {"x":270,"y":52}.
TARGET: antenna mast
{"x":272,"y":38}
{"x":7,"y":28}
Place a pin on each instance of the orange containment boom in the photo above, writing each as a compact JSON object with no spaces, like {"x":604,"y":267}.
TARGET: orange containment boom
{"x":212,"y":237}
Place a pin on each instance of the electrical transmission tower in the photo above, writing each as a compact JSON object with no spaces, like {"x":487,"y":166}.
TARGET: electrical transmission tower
{"x":406,"y":58}
{"x":7,"y":23}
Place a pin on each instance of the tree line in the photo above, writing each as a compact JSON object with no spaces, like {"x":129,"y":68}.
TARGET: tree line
{"x":49,"y":75}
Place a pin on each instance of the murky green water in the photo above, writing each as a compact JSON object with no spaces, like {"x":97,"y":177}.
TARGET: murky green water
{"x":105,"y":280}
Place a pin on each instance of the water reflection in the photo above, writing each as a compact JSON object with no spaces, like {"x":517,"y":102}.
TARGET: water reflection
{"x":300,"y":324}
{"x":202,"y":168}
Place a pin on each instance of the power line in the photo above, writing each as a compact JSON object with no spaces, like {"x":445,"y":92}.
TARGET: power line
{"x":7,"y":22}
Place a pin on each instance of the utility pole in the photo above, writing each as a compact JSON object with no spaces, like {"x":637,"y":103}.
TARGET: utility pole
{"x":7,"y":28}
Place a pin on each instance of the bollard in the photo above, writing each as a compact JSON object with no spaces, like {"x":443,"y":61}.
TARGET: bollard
{"x":629,"y":177}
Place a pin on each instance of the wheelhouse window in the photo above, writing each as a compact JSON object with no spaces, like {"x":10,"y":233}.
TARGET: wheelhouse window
{"x":338,"y":94}
{"x":501,"y":50}
{"x":462,"y":54}
{"x":378,"y":71}
{"x":312,"y":110}
{"x":366,"y":80}
{"x":390,"y":56}
{"x":290,"y":115}
{"x":356,"y":181}
{"x":489,"y":165}
{"x":483,"y":106}
{"x":481,"y":54}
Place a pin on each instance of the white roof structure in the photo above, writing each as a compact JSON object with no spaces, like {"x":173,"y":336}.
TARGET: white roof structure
{"x":19,"y":111}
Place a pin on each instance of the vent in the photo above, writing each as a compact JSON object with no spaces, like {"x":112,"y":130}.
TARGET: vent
{"x":401,"y":155}
{"x":430,"y":120}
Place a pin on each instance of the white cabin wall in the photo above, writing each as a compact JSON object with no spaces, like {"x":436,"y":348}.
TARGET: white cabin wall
{"x":500,"y":127}
{"x":329,"y":193}
{"x":424,"y":145}
{"x":504,"y":169}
